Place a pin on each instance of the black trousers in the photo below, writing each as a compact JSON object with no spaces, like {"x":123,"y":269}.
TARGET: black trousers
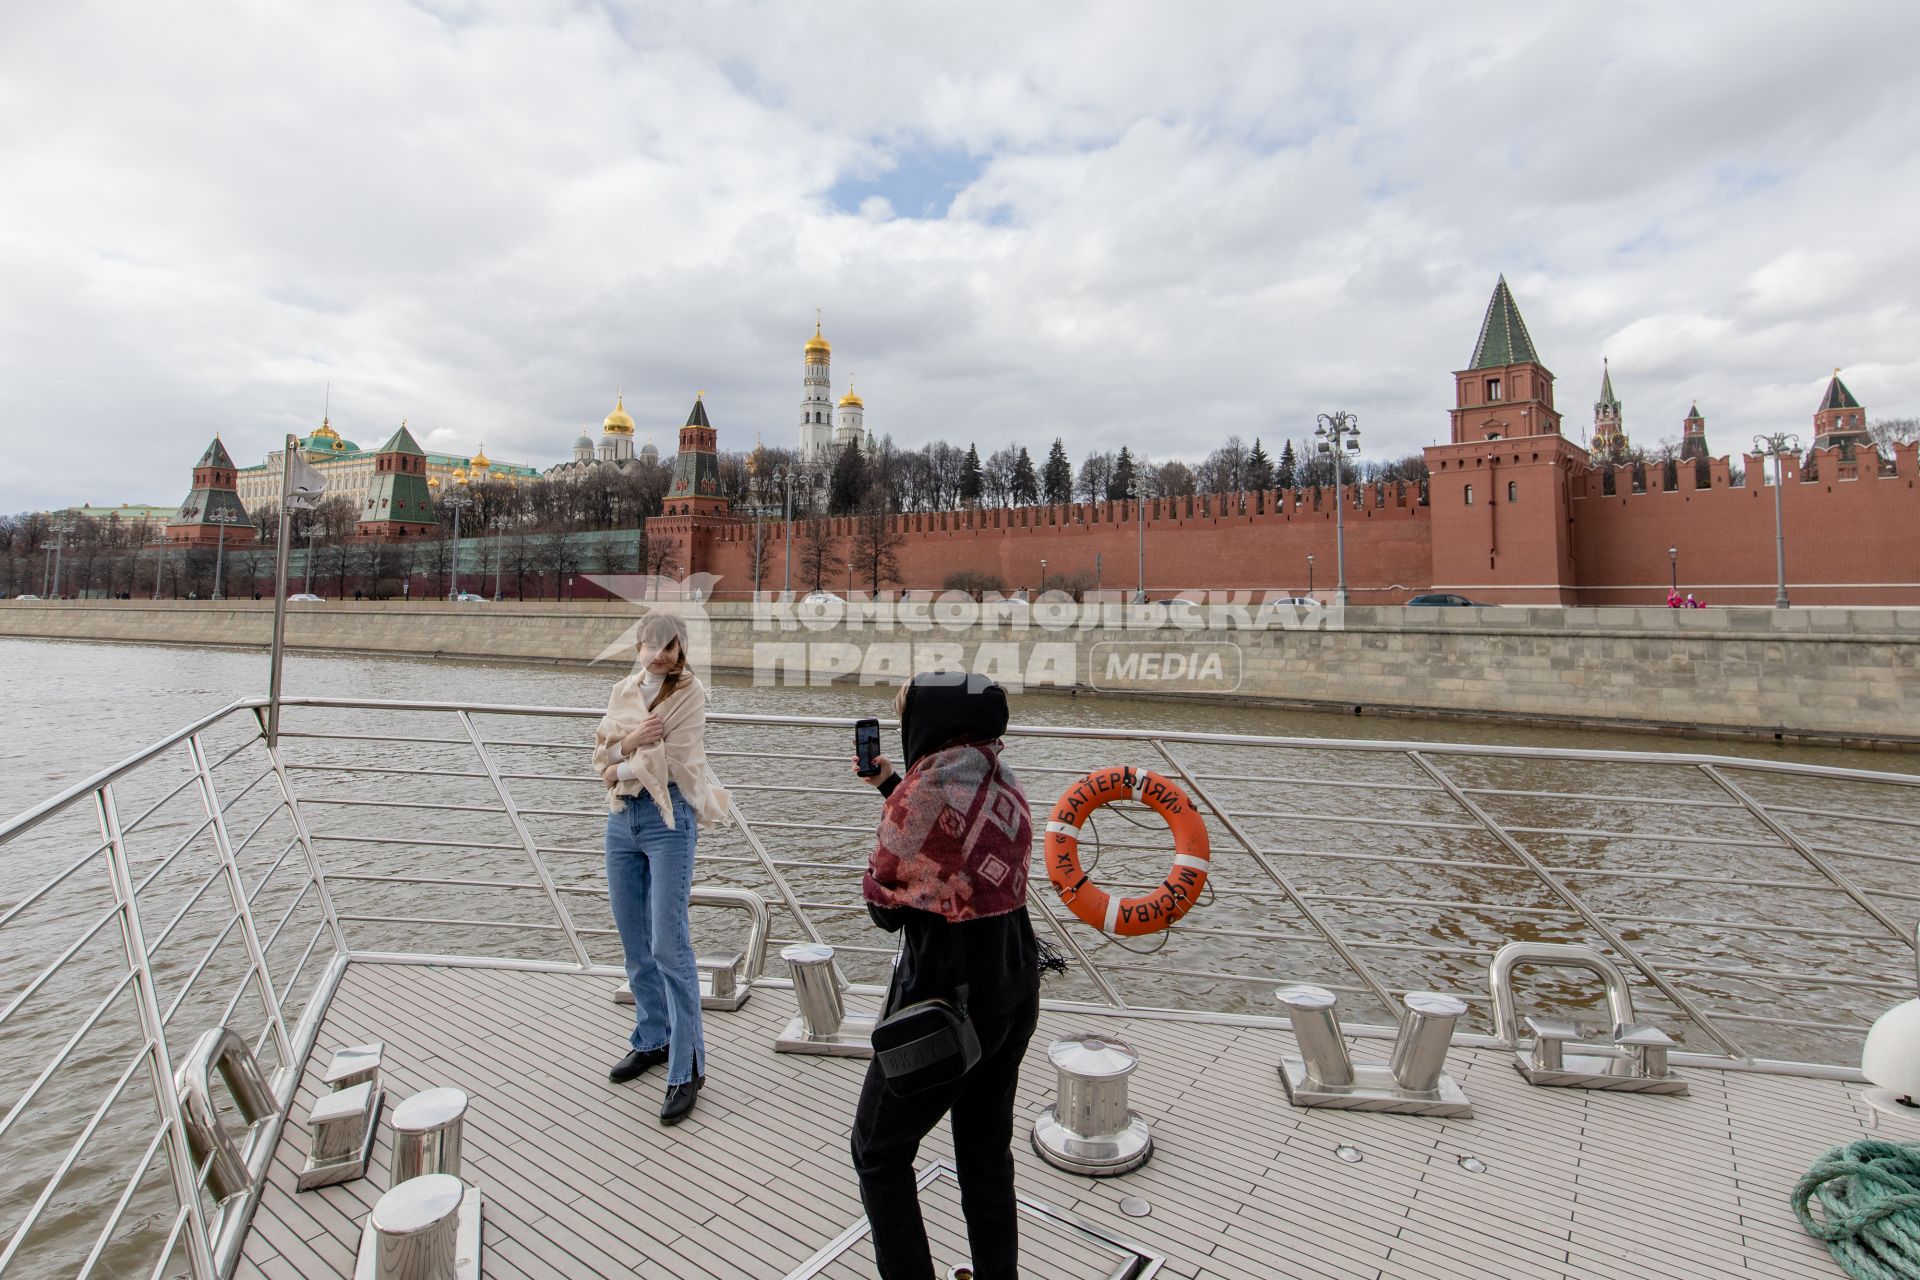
{"x":887,"y":1130}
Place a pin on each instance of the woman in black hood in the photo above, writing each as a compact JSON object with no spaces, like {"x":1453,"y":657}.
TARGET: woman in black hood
{"x":950,"y":874}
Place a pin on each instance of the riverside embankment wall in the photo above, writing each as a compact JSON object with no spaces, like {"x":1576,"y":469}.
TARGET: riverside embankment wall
{"x":1840,"y":674}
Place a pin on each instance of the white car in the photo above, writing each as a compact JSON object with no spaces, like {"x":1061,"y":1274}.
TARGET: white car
{"x":821,"y":597}
{"x":468,"y":597}
{"x":306,"y":596}
{"x":28,"y":596}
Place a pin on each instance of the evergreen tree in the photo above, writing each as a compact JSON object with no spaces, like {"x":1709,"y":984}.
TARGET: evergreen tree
{"x":1285,"y":476}
{"x":1026,"y":489}
{"x":849,"y":480}
{"x":1120,"y":486}
{"x":1056,"y":480}
{"x":1259,"y":474}
{"x":971,"y":481}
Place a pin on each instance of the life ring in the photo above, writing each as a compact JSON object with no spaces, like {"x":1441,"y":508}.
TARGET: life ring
{"x":1160,"y":907}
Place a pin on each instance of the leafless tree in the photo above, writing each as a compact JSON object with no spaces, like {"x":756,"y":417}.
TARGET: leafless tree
{"x":814,"y":556}
{"x":876,"y":544}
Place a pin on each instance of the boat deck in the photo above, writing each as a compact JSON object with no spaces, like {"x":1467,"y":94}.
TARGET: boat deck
{"x":580,"y":1180}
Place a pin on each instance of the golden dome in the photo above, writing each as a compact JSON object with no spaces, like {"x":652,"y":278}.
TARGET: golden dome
{"x":851,"y":400}
{"x":325,"y":430}
{"x":818,"y":343}
{"x":433,"y":482}
{"x":480,"y":460}
{"x":459,"y":475}
{"x":618,"y":423}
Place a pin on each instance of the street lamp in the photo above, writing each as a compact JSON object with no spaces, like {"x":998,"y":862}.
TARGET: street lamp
{"x":783,"y":479}
{"x":499,"y":525}
{"x":1043,"y":575}
{"x":1139,"y":487}
{"x":223,"y":518}
{"x":849,"y":579}
{"x":459,"y":502}
{"x":1309,"y":575}
{"x":61,"y":529}
{"x":1777,"y":446}
{"x":1339,"y":435}
{"x":1673,"y":555}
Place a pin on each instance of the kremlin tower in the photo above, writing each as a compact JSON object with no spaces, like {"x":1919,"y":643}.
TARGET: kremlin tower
{"x":214,"y":500}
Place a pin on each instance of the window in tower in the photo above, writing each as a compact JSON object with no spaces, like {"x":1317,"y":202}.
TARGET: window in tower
{"x":1493,"y":390}
{"x":1469,"y":495}
{"x":1513,"y":491}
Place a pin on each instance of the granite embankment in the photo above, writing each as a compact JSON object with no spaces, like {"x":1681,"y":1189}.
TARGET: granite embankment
{"x":1836,"y":674}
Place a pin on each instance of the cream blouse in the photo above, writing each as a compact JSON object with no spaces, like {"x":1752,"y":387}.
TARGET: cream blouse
{"x":680,"y":757}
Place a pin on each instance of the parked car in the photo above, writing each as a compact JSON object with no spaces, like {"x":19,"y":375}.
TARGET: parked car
{"x":821,"y":597}
{"x":28,"y":596}
{"x":307,"y":596}
{"x":1443,"y":598}
{"x":468,"y":597}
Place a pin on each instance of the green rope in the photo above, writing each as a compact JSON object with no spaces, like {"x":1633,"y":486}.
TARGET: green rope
{"x":1869,"y":1195}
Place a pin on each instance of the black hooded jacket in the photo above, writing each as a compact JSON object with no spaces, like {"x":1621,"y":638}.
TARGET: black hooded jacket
{"x":996,"y":957}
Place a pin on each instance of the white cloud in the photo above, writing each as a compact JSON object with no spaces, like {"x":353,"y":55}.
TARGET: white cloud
{"x":486,"y":218}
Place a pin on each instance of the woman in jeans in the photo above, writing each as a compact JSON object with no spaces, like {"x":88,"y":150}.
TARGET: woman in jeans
{"x":650,"y":750}
{"x":950,"y":874}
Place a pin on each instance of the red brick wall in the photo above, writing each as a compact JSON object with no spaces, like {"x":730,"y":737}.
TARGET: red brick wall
{"x":1188,"y":544}
{"x":1858,"y":539}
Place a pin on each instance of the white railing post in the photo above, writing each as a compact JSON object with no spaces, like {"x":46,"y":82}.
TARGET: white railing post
{"x":180,"y":1165}
{"x":301,"y":834}
{"x":243,"y":910}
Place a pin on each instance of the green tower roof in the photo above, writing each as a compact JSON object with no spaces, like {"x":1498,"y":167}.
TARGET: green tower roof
{"x":217,"y":455}
{"x":1606,"y":384}
{"x":402,"y":441}
{"x":1503,"y":334}
{"x":1838,"y":397}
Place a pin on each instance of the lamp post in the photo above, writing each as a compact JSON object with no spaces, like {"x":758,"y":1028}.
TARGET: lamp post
{"x":1339,"y":435}
{"x":1043,"y":575}
{"x":459,"y":502}
{"x":61,"y":528}
{"x":783,"y":479}
{"x":499,"y":526}
{"x":1673,"y":555}
{"x":1140,"y":520}
{"x":1309,"y":575}
{"x":1777,"y":446}
{"x":159,"y":564}
{"x":222,"y":518}
{"x":849,"y":579}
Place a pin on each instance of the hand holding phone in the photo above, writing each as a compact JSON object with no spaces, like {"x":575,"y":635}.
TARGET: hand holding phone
{"x":866,"y":747}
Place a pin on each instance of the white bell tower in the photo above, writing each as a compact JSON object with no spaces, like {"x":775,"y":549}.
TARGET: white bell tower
{"x":816,"y":399}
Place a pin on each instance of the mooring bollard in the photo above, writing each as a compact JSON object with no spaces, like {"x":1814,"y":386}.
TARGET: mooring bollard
{"x":815,"y":988}
{"x":1316,"y":1028}
{"x":1420,"y":1050}
{"x":823,"y":1024}
{"x":416,"y":1228}
{"x":426,"y":1134}
{"x":1090,"y":1129}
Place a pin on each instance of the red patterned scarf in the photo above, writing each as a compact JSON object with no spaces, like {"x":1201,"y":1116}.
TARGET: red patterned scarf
{"x":955,"y":837}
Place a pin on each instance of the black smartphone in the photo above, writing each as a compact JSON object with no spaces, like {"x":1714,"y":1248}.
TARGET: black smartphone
{"x":866,"y":745}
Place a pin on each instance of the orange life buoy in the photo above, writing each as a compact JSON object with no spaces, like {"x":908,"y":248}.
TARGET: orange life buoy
{"x":1158,"y":908}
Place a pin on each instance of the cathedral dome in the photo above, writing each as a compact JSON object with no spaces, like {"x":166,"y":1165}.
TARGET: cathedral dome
{"x":618,"y":423}
{"x":649,"y":451}
{"x":584,"y":442}
{"x":852,"y":401}
{"x":818,"y":344}
{"x":480,"y":460}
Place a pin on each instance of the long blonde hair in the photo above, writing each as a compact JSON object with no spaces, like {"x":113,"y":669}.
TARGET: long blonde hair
{"x":657,"y":631}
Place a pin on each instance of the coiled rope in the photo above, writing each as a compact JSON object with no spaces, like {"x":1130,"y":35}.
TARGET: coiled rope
{"x":1869,"y":1194}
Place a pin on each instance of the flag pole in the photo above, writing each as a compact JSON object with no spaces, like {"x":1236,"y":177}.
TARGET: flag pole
{"x":288,"y":445}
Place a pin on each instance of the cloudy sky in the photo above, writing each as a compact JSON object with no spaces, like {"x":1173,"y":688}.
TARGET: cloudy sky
{"x":1154,"y":225}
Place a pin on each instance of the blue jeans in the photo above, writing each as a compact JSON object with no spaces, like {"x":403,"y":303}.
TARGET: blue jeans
{"x":649,"y":879}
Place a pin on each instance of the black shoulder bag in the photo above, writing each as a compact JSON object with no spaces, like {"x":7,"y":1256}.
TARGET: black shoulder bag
{"x":929,"y":1042}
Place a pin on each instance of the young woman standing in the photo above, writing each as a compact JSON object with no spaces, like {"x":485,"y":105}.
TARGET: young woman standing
{"x":950,"y":874}
{"x":650,"y":750}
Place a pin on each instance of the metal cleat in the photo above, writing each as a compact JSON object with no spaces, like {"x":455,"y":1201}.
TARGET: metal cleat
{"x":724,"y":984}
{"x":822,"y":1025}
{"x":426,"y":1228}
{"x":1635,"y":1062}
{"x":341,"y":1127}
{"x":353,"y":1065}
{"x":1413,"y":1082}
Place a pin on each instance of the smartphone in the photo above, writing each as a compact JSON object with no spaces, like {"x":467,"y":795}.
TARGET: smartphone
{"x":866,"y":745}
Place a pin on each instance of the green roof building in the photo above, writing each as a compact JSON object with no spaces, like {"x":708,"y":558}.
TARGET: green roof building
{"x":398,"y":502}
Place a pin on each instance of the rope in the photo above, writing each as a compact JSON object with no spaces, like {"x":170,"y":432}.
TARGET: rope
{"x":1869,"y":1194}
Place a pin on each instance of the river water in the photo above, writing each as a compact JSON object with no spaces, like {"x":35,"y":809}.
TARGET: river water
{"x":401,"y":799}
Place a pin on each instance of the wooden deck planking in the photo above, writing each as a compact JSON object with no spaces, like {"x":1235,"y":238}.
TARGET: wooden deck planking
{"x":580,"y":1180}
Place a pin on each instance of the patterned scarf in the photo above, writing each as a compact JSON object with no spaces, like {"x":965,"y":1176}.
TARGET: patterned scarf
{"x":955,"y":837}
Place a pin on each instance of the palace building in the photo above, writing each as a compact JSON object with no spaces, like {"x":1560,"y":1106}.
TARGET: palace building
{"x":350,"y":470}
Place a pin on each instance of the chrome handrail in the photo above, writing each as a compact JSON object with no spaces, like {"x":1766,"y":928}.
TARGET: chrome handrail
{"x":306,"y":862}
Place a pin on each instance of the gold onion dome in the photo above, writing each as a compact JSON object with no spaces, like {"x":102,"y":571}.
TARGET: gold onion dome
{"x":818,"y":343}
{"x":852,"y":399}
{"x":460,"y":475}
{"x":480,"y":460}
{"x":617,"y":422}
{"x":433,"y":482}
{"x":325,"y":430}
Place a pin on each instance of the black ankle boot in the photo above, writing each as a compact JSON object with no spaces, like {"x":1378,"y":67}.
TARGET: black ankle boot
{"x":679,"y":1100}
{"x":634,"y":1063}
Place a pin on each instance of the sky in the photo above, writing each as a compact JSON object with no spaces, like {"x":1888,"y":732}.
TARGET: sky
{"x":1121,"y":224}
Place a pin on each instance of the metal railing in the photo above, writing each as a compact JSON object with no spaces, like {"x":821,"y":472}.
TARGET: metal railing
{"x":1763,"y":909}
